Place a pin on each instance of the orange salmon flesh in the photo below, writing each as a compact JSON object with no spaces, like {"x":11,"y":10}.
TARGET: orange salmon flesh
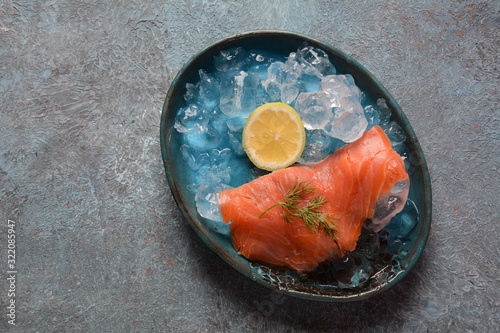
{"x":352,"y":179}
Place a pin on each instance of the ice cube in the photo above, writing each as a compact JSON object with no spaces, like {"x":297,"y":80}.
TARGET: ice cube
{"x":192,"y":120}
{"x":202,"y":159}
{"x":236,"y":123}
{"x":219,"y":126}
{"x":292,"y":70}
{"x":349,"y":122}
{"x":227,"y":91}
{"x":252,"y":93}
{"x":235,"y":143}
{"x":292,"y":56}
{"x":214,"y":174}
{"x":218,"y":121}
{"x":220,"y":157}
{"x":282,"y":83}
{"x":273,"y":91}
{"x":372,"y":116}
{"x":275,"y":73}
{"x":209,"y":138}
{"x":341,"y":88}
{"x":231,"y":94}
{"x":388,"y":206}
{"x":210,"y":165}
{"x":207,"y":202}
{"x":314,"y":108}
{"x":189,"y":95}
{"x":347,"y":127}
{"x":290,"y":91}
{"x":318,"y":146}
{"x":235,"y":126}
{"x":384,"y":112}
{"x":231,"y":59}
{"x":395,"y":133}
{"x":403,"y":223}
{"x":217,"y":169}
{"x":311,"y":80}
{"x":188,"y":156}
{"x":272,"y":84}
{"x":315,"y":60}
{"x":207,"y":90}
{"x":260,"y":62}
{"x":241,"y":94}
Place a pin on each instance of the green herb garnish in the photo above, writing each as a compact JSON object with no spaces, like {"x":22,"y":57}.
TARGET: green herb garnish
{"x":312,"y":217}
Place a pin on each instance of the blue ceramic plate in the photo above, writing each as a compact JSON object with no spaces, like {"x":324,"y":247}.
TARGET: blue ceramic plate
{"x":394,"y":255}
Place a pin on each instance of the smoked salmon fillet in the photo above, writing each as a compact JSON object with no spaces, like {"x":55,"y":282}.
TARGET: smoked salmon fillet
{"x":351,"y":181}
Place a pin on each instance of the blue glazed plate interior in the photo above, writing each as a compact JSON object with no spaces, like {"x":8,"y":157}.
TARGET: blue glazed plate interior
{"x":396,"y":251}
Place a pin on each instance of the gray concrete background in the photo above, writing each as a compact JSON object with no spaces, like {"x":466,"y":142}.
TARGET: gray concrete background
{"x":101,"y":245}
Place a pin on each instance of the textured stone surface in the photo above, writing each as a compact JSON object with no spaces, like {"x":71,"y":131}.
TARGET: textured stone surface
{"x":101,"y":245}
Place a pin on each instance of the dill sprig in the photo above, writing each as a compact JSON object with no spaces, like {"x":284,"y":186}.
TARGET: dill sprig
{"x":310,"y":214}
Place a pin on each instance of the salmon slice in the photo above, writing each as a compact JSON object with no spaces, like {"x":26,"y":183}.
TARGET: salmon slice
{"x":351,"y":180}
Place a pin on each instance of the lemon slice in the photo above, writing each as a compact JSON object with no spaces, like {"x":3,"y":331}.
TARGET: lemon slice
{"x":274,"y":136}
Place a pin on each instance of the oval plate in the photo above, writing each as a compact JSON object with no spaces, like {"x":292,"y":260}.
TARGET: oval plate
{"x":282,"y":43}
